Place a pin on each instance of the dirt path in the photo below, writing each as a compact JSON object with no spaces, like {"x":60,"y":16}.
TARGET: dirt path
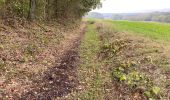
{"x":59,"y":80}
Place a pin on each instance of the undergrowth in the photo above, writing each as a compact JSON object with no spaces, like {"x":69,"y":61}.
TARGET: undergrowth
{"x":127,"y":71}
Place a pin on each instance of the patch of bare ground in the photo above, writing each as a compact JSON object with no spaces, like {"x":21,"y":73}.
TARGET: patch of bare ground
{"x":60,"y":80}
{"x":38,"y":61}
{"x":138,"y":65}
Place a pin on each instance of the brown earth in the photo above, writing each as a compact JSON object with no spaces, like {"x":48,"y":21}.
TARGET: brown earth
{"x":60,"y":80}
{"x":39,"y":81}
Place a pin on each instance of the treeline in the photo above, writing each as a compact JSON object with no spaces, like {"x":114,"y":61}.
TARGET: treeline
{"x":94,"y":15}
{"x":155,"y":16}
{"x":60,"y":10}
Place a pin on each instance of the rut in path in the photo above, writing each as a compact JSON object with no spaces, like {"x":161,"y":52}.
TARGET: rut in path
{"x":60,"y":80}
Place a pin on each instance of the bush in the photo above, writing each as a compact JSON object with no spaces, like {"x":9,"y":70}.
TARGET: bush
{"x":91,"y":22}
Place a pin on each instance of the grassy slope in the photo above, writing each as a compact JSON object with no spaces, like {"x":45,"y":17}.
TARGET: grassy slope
{"x":107,"y":55}
{"x":158,"y":31}
{"x":120,"y":65}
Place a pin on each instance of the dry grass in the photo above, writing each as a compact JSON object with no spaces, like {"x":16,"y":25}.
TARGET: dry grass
{"x":150,"y":58}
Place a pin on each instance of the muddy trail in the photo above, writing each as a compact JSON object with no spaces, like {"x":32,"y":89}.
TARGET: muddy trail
{"x":61,"y":79}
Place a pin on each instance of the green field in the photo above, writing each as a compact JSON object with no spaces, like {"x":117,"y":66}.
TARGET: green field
{"x":153,"y":30}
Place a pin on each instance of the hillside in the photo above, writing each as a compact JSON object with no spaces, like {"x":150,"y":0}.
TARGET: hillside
{"x":101,"y":60}
{"x":49,"y":50}
{"x":38,"y":42}
{"x":119,"y":61}
{"x":94,"y":15}
{"x":157,"y":16}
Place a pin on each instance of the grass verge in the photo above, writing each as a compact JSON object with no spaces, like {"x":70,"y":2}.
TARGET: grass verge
{"x":91,"y":74}
{"x":136,"y":64}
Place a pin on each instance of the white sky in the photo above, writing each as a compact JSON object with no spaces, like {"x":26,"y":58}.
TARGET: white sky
{"x":124,"y":6}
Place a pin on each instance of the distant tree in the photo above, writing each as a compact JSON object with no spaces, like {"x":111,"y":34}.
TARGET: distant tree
{"x":94,"y":15}
{"x":117,"y":17}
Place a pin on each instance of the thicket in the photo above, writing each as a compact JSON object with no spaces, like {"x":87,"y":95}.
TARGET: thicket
{"x":155,"y":16}
{"x":46,"y":10}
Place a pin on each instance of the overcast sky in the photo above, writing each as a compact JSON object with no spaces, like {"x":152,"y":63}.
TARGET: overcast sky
{"x":127,"y":6}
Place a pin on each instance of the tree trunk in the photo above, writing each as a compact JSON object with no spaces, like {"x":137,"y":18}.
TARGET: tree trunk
{"x":46,"y":10}
{"x":31,"y":15}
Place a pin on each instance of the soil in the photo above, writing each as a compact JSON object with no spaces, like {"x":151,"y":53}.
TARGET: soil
{"x":57,"y":81}
{"x":60,"y":80}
